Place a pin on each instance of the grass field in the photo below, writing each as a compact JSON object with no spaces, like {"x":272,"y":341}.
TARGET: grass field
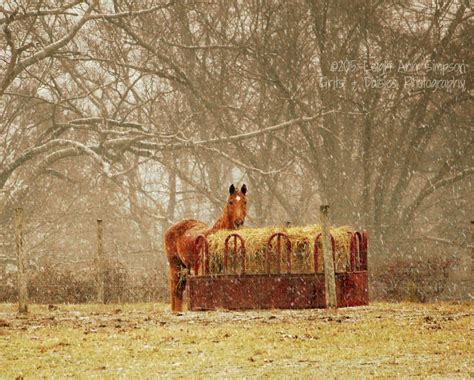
{"x":147,"y":341}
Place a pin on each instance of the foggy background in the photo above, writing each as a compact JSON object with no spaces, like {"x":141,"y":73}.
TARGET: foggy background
{"x":143,"y":113}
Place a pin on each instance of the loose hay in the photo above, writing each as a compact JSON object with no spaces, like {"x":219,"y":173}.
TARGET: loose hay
{"x":302,"y":241}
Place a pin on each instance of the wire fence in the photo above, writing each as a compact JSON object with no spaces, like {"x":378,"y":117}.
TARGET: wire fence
{"x":133,"y":273}
{"x":68,"y":264}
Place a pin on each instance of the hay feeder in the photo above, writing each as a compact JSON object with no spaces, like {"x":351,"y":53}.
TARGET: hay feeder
{"x":234,"y":279}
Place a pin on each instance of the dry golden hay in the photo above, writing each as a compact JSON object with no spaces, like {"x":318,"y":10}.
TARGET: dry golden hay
{"x":302,"y":243}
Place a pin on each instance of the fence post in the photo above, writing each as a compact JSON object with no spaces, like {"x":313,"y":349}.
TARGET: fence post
{"x":472,"y":251}
{"x":329,"y":275}
{"x":100,"y":262}
{"x":20,"y":256}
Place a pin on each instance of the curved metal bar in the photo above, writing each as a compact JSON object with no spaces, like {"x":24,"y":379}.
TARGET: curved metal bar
{"x":235,"y":237}
{"x":316,"y":252}
{"x":353,"y":249}
{"x":278,"y":236}
{"x":358,"y":247}
{"x":202,"y":248}
{"x":364,"y":251}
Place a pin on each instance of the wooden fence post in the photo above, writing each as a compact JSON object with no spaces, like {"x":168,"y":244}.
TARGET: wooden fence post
{"x":100,"y":262}
{"x":329,"y":275}
{"x":20,"y":256}
{"x":472,"y":251}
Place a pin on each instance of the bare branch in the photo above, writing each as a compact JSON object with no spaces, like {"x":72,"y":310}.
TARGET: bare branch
{"x":46,"y":51}
{"x":45,"y":12}
{"x":141,"y":12}
{"x":430,"y":188}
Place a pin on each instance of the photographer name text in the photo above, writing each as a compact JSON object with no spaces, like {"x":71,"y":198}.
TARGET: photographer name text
{"x":389,"y":75}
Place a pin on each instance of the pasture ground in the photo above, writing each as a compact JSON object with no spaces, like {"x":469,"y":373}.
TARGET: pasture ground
{"x":147,"y":341}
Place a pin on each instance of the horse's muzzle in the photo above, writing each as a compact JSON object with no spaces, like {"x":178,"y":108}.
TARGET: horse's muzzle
{"x":238,"y":223}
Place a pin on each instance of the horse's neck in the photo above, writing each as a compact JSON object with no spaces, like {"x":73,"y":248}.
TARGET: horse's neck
{"x":223,"y":223}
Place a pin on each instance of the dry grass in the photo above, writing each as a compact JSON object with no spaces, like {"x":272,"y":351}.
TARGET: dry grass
{"x":302,"y":240}
{"x":147,"y":341}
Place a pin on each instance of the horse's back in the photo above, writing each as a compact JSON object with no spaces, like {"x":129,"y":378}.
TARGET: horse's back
{"x":179,"y":238}
{"x":182,"y":227}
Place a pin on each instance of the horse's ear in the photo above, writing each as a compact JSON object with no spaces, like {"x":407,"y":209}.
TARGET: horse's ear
{"x":243,"y":189}
{"x":231,"y":189}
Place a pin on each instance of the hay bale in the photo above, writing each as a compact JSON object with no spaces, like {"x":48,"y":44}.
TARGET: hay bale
{"x":302,"y":241}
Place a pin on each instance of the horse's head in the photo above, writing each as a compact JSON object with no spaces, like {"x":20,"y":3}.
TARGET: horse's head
{"x":236,"y":207}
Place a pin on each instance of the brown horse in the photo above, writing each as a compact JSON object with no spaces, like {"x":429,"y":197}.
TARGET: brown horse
{"x":180,"y":237}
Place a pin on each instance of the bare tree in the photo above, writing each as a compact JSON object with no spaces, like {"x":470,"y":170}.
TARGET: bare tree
{"x":160,"y":105}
